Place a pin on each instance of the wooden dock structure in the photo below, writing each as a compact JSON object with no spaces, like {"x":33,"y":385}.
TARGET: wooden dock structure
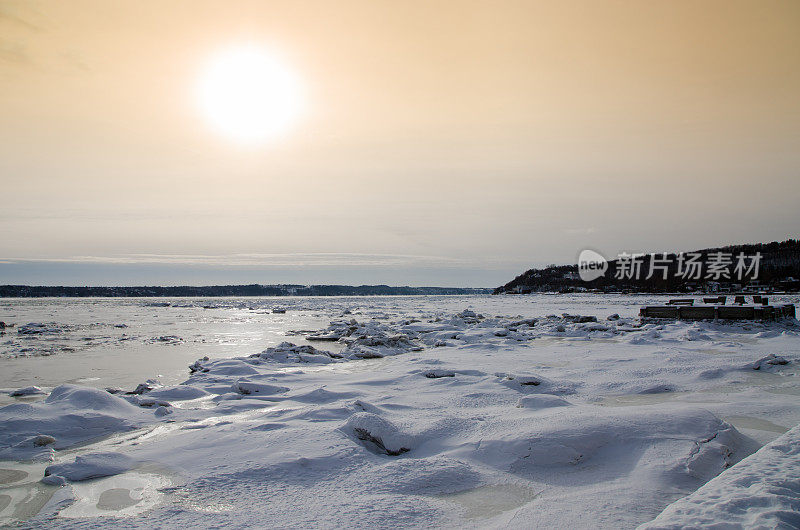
{"x":719,"y":312}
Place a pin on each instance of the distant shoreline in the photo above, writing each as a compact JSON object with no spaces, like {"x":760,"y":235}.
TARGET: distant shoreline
{"x":213,"y":291}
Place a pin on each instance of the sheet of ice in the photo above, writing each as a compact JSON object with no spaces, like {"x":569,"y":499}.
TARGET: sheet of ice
{"x":113,"y":497}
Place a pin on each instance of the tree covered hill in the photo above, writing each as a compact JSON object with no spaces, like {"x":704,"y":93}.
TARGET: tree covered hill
{"x":778,"y":268}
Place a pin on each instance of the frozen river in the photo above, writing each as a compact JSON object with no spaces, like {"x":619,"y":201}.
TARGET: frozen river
{"x":564,"y":411}
{"x":120,"y":342}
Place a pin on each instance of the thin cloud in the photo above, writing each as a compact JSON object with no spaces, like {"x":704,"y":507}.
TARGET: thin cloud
{"x":341,"y":260}
{"x":13,"y":17}
{"x":11,"y":52}
{"x":19,"y":14}
{"x":253,"y":260}
{"x":580,"y":231}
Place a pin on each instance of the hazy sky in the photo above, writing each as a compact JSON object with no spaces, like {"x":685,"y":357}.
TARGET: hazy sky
{"x":435,"y":143}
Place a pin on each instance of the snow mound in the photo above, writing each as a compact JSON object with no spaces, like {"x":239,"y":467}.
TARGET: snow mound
{"x":148,"y":401}
{"x":761,"y":491}
{"x":599,"y":443}
{"x":658,"y":388}
{"x":31,"y":448}
{"x":542,"y":401}
{"x":229,"y":367}
{"x":694,"y":335}
{"x":530,"y":383}
{"x":247,"y":388}
{"x":428,"y":476}
{"x":768,"y":362}
{"x":89,"y":466}
{"x":81,"y":397}
{"x":378,"y":434}
{"x":321,"y":395}
{"x":178,"y":393}
{"x":71,"y":414}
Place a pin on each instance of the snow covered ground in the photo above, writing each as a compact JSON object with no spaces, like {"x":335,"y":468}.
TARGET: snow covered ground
{"x":510,"y":411}
{"x":762,"y":491}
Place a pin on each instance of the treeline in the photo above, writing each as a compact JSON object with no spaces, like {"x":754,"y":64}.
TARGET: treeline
{"x":777,"y":269}
{"x":27,"y":291}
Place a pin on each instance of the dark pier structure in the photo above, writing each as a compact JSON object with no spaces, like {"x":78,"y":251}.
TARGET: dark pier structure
{"x":715,"y":309}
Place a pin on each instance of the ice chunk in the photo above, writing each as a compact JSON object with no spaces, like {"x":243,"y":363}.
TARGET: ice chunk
{"x":769,"y":361}
{"x":287,"y":352}
{"x":27,"y":391}
{"x":436,"y":374}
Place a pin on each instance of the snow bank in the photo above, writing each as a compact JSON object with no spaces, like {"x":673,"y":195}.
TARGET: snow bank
{"x":761,"y":491}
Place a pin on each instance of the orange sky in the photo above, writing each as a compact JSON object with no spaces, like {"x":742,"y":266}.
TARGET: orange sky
{"x":477,"y":137}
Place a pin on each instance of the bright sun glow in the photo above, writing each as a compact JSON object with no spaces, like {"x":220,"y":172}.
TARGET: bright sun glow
{"x":248,"y":95}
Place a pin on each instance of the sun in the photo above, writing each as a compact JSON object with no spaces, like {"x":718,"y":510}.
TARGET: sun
{"x":248,"y":95}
